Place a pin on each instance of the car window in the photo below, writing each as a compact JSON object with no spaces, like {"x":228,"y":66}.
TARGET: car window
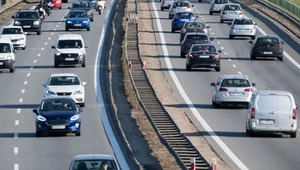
{"x":64,"y":80}
{"x":221,"y":1}
{"x":5,"y":48}
{"x":58,"y":105}
{"x":232,"y":8}
{"x":235,"y":83}
{"x":11,"y":31}
{"x":184,"y":15}
{"x":69,"y":44}
{"x":196,"y":37}
{"x":32,"y":15}
{"x":243,"y":22}
{"x":199,"y":25}
{"x":77,"y":15}
{"x":94,"y":164}
{"x":204,"y":48}
{"x":265,"y":102}
{"x":269,"y":40}
{"x":181,"y":4}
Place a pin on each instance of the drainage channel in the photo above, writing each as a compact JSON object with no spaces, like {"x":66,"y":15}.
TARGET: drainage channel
{"x":160,"y":119}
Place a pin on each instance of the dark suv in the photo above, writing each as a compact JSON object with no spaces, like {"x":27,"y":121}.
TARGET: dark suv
{"x":266,"y":46}
{"x":29,"y":20}
{"x":192,"y":38}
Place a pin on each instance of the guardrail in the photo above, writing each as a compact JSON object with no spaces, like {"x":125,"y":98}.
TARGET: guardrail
{"x":287,"y":6}
{"x":169,"y":134}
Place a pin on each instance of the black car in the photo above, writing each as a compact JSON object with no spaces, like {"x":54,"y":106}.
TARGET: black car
{"x":193,"y":38}
{"x":58,"y":115}
{"x":84,"y":5}
{"x":194,"y":26}
{"x":29,"y":20}
{"x":203,"y":56}
{"x":266,"y":46}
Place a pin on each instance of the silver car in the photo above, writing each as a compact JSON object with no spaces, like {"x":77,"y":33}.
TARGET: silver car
{"x":232,"y":89}
{"x":93,"y":161}
{"x":216,"y":6}
{"x":166,"y":4}
{"x":242,"y":27}
{"x":180,"y":6}
{"x":230,"y":11}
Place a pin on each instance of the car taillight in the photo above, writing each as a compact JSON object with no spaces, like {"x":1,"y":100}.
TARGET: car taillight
{"x":216,"y":57}
{"x":183,"y":30}
{"x":186,"y":42}
{"x":248,"y":90}
{"x":191,"y":56}
{"x":241,"y":12}
{"x":188,"y":7}
{"x":252,"y":113}
{"x":278,"y":45}
{"x":294,"y":114}
{"x":223,"y":89}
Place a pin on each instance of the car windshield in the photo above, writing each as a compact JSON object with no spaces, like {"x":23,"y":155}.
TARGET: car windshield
{"x":243,"y":22}
{"x":184,"y":15}
{"x":69,"y":44}
{"x":81,"y":5}
{"x":77,"y":15}
{"x":221,"y":1}
{"x":12,"y":31}
{"x":64,"y":81}
{"x":204,"y":48}
{"x":58,"y":105}
{"x":235,"y":83}
{"x":181,"y":4}
{"x":192,"y":25}
{"x":232,"y":8}
{"x":27,"y":15}
{"x":268,"y":40}
{"x":5,"y":48}
{"x":94,"y":164}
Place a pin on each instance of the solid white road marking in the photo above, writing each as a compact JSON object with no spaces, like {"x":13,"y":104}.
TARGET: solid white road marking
{"x":28,"y":74}
{"x":18,"y":110}
{"x":240,"y":72}
{"x":20,"y":100}
{"x":16,"y":122}
{"x":34,"y":61}
{"x":25,"y":82}
{"x":46,"y":43}
{"x":39,"y":54}
{"x":16,"y":166}
{"x":56,"y":25}
{"x":16,"y":150}
{"x":15,"y":135}
{"x":225,"y":53}
{"x":219,"y":42}
{"x":23,"y":91}
{"x":42,"y":49}
{"x":192,"y":107}
{"x":234,"y":66}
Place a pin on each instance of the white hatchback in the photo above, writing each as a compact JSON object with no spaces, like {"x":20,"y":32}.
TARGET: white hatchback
{"x":65,"y":84}
{"x":180,"y":6}
{"x":16,"y":35}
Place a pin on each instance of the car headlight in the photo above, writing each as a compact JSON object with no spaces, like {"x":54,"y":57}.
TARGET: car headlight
{"x":57,"y":54}
{"x":50,"y":93}
{"x":17,"y":22}
{"x":41,"y":118}
{"x":36,"y":23}
{"x":76,"y":117}
{"x":85,"y":22}
{"x":78,"y":92}
{"x":9,"y":57}
{"x":69,"y":22}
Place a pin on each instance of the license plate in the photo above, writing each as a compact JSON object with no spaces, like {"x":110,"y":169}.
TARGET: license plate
{"x":268,"y":52}
{"x":26,"y":26}
{"x":59,"y":127}
{"x":77,"y":25}
{"x":243,"y":30}
{"x":203,"y":56}
{"x":236,"y":94}
{"x":266,"y":122}
{"x":69,"y":59}
{"x":185,"y":19}
{"x":1,"y":63}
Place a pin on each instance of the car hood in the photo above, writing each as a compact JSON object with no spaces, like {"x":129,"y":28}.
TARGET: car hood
{"x":13,"y":36}
{"x":64,"y":88}
{"x":69,"y":50}
{"x":58,"y":115}
{"x":77,"y":19}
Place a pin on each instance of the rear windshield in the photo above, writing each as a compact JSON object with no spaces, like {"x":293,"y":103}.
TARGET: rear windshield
{"x":268,"y":41}
{"x":198,"y":25}
{"x":94,"y":164}
{"x":243,"y":22}
{"x":196,"y":37}
{"x":181,"y":4}
{"x":221,"y":1}
{"x":204,"y":48}
{"x":232,"y":8}
{"x":184,"y":15}
{"x":27,"y":15}
{"x":235,"y":83}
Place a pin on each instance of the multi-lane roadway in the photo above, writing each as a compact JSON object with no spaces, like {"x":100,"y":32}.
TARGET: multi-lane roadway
{"x":22,"y":91}
{"x":225,"y":128}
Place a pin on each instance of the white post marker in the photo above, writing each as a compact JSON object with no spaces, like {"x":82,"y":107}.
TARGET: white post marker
{"x":130,"y":65}
{"x":144,"y":64}
{"x":214,"y":164}
{"x":193,"y":163}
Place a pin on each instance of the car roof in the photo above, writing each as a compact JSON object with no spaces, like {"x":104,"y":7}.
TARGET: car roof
{"x":267,"y":36}
{"x":63,"y":74}
{"x":93,"y":156}
{"x":272,"y":91}
{"x":70,"y":36}
{"x":234,"y":76}
{"x":12,"y":26}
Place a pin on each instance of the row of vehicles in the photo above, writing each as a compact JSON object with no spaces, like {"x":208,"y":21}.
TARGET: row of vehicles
{"x":267,"y":110}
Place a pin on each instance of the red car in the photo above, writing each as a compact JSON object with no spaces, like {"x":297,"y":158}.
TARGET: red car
{"x":57,"y":4}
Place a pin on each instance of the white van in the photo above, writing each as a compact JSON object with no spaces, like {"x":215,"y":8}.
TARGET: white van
{"x":7,"y":55}
{"x":272,"y":111}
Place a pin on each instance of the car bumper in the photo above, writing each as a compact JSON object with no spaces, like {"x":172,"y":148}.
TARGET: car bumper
{"x":6,"y":64}
{"x":228,"y":17}
{"x":242,"y":33}
{"x":165,"y":6}
{"x":19,"y":43}
{"x":225,"y":98}
{"x":65,"y":61}
{"x":31,"y":29}
{"x":204,"y":64}
{"x":256,"y":128}
{"x":262,"y":54}
{"x":73,"y":127}
{"x":81,"y":26}
{"x":214,"y":10}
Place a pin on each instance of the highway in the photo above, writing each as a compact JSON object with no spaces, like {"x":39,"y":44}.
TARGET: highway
{"x":224,"y":128}
{"x":22,"y":91}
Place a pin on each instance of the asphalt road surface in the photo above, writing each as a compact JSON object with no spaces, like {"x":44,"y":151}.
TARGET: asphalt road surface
{"x":239,"y":151}
{"x":22,"y":91}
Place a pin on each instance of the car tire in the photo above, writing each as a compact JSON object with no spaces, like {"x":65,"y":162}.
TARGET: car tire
{"x":170,"y":17}
{"x":210,"y":13}
{"x":78,"y":133}
{"x":39,"y":32}
{"x":231,"y":37}
{"x":280,"y":58}
{"x":56,"y":64}
{"x":218,"y":69}
{"x":213,"y":103}
{"x":251,"y":133}
{"x":221,"y":21}
{"x":161,"y":8}
{"x":252,"y":57}
{"x":188,"y":67}
{"x":83,"y":63}
{"x":59,"y":8}
{"x":217,"y":105}
{"x":92,"y":19}
{"x":173,"y":30}
{"x":182,"y":55}
{"x":294,"y":134}
{"x":88,"y":29}
{"x":67,"y":29}
{"x":199,"y":0}
{"x":23,"y":48}
{"x":247,"y":131}
{"x":38,"y":134}
{"x":12,"y":69}
{"x":253,"y":37}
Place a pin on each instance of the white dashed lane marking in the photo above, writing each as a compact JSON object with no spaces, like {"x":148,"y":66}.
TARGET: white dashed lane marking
{"x":39,"y":54}
{"x":222,"y":48}
{"x":42,"y":49}
{"x":225,"y":53}
{"x":20,"y":100}
{"x":16,"y":150}
{"x":240,"y":72}
{"x":218,"y":42}
{"x":31,"y":67}
{"x":28,"y":74}
{"x":34,"y":61}
{"x":56,"y":25}
{"x":18,"y":110}
{"x":49,"y":38}
{"x":46,"y":43}
{"x":23,"y":91}
{"x":54,"y":29}
{"x":25,"y":82}
{"x":52,"y":33}
{"x":213,"y":33}
{"x":229,"y":59}
{"x":234,"y":66}
{"x":16,"y":122}
{"x":16,"y":166}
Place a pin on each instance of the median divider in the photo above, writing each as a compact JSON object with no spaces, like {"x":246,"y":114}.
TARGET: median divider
{"x":176,"y":142}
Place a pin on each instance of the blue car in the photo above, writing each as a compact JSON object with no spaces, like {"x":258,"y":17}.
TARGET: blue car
{"x":57,"y":115}
{"x":180,"y":18}
{"x":77,"y":19}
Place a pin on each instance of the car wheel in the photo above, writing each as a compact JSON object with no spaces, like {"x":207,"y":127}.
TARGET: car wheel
{"x":199,"y":0}
{"x":78,"y":133}
{"x":217,"y":105}
{"x":182,"y":55}
{"x":12,"y":69}
{"x":38,"y":134}
{"x":56,"y":64}
{"x":59,"y":8}
{"x":67,"y":29}
{"x":83,"y":63}
{"x":210,"y":13}
{"x":247,"y":131}
{"x":251,"y":133}
{"x":88,"y":29}
{"x":230,"y":37}
{"x":221,"y":21}
{"x":170,"y":17}
{"x":252,"y":37}
{"x":81,"y":104}
{"x":252,"y":57}
{"x":39,"y":32}
{"x":218,"y":69}
{"x":188,"y":67}
{"x":161,"y":8}
{"x":280,"y":58}
{"x":92,"y":19}
{"x":294,"y":134}
{"x":213,"y":103}
{"x":23,"y":48}
{"x":173,"y":30}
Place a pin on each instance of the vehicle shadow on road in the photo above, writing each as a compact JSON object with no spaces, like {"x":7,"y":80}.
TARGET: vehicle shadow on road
{"x":20,"y":106}
{"x":35,"y":67}
{"x":157,"y":44}
{"x":20,"y":135}
{"x":164,"y":32}
{"x":236,"y":58}
{"x":52,"y":21}
{"x":155,"y":18}
{"x":241,"y":134}
{"x":52,"y":30}
{"x":205,"y":106}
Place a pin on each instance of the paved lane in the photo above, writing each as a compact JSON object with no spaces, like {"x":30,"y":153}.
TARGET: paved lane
{"x":22,"y":91}
{"x":272,"y":151}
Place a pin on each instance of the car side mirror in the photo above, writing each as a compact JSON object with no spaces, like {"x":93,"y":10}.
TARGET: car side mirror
{"x":208,"y":27}
{"x":192,"y":5}
{"x":84,"y":83}
{"x":296,"y":106}
{"x":53,"y":47}
{"x":213,"y":84}
{"x":250,"y":42}
{"x":35,"y":111}
{"x":44,"y":84}
{"x":219,"y":51}
{"x":80,"y":110}
{"x":255,"y":23}
{"x":85,"y":46}
{"x":253,"y":84}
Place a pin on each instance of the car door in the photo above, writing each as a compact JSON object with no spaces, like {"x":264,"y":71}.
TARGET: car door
{"x":266,"y":110}
{"x":216,"y":88}
{"x":284,"y":110}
